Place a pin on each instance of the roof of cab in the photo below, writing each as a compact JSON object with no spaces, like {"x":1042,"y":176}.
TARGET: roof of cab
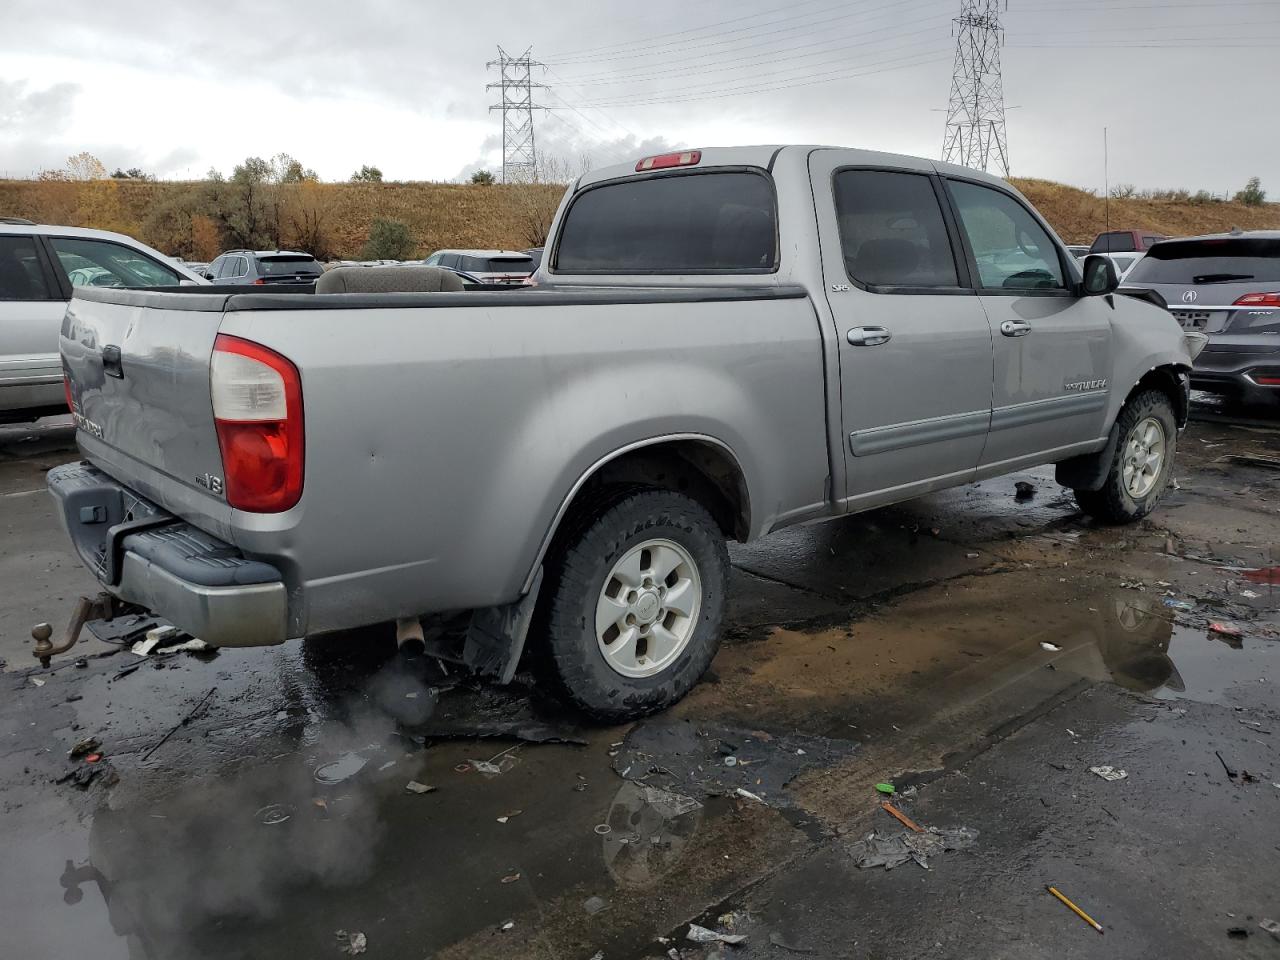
{"x":765,"y":155}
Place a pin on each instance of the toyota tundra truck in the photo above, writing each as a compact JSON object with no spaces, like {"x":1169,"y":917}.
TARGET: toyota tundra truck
{"x":719,"y":343}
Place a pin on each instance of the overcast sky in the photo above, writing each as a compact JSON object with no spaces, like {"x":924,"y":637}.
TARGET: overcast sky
{"x":1188,"y":90}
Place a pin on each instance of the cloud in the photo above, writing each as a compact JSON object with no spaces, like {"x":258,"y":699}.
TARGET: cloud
{"x":564,"y":153}
{"x":37,"y":113}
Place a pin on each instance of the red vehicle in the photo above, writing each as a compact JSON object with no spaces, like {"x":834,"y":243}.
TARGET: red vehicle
{"x":1125,"y":241}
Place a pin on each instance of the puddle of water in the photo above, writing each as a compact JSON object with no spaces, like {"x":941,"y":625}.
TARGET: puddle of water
{"x":345,"y":767}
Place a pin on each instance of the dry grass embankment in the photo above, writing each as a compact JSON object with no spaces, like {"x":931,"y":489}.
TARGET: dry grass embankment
{"x":333,"y":219}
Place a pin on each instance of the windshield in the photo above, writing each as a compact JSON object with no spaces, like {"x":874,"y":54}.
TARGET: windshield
{"x":496,"y":264}
{"x":288,"y":266}
{"x":1224,"y":260}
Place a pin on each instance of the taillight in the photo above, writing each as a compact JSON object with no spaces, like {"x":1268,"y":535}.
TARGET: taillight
{"x":258,"y":283}
{"x":686,"y":159}
{"x":66,"y":387}
{"x":1258,"y":300}
{"x":257,"y":410}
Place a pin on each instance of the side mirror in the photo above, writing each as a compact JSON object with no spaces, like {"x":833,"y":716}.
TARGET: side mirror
{"x":207,"y":275}
{"x":1099,"y":275}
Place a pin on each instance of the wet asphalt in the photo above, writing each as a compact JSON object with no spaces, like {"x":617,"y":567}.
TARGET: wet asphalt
{"x":976,"y":651}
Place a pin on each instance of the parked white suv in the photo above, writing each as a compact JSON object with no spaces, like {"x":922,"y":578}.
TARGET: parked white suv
{"x":40,"y":265}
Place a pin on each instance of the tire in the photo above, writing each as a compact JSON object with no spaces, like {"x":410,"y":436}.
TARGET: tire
{"x":1125,"y":501}
{"x":602,"y":574}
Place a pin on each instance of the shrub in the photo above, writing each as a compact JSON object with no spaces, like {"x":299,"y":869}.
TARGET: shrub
{"x":1252,"y":195}
{"x":388,"y":240}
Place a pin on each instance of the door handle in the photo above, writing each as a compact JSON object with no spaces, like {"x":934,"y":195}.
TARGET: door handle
{"x":111,"y":363}
{"x":868,"y":336}
{"x":1015,"y":328}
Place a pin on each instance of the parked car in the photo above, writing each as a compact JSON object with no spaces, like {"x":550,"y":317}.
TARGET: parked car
{"x":40,"y":266}
{"x":1227,"y":286}
{"x":260,"y":267}
{"x":1125,"y":241}
{"x":535,"y":254}
{"x":489,"y":266}
{"x":723,"y":343}
{"x":1078,"y":250}
{"x":1123,"y":262}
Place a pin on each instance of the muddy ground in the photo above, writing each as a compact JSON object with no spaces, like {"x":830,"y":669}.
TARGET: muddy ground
{"x":978,"y":652}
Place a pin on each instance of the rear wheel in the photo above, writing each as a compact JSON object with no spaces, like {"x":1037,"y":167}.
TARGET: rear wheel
{"x":636,"y":604}
{"x":1141,"y":465}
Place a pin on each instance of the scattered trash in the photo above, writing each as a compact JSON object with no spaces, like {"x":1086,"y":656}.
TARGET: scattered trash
{"x":1250,"y":594}
{"x":1271,"y":926}
{"x":181,"y":723}
{"x":1024,"y":490}
{"x":511,"y":878}
{"x":1051,"y":647}
{"x":748,"y":795}
{"x":1186,"y":606}
{"x":776,"y":939}
{"x":1231,"y":774}
{"x":901,"y":817}
{"x":96,"y":757}
{"x":972,"y":556}
{"x":1226,"y":629}
{"x":37,"y":681}
{"x":730,"y":761}
{"x":83,"y":774}
{"x":667,"y":803}
{"x":87,"y":745}
{"x":603,"y":829}
{"x":274,"y":813}
{"x":484,"y":766}
{"x":598,"y":955}
{"x":1076,"y":910}
{"x":144,"y":646}
{"x":82,"y":663}
{"x":1249,"y":459}
{"x":194,"y":645}
{"x":887,"y":788}
{"x":594,"y":905}
{"x":352,"y":944}
{"x":889,"y":852}
{"x":413,"y":786}
{"x":1109,"y":773}
{"x":344,"y":768}
{"x":509,"y":925}
{"x":702,"y":935}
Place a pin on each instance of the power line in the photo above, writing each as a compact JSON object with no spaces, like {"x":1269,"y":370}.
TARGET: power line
{"x":515,"y":80}
{"x":975,"y":133}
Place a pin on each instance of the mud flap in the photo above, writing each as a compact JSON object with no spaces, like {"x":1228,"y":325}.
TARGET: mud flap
{"x":1089,"y":471}
{"x":496,"y":636}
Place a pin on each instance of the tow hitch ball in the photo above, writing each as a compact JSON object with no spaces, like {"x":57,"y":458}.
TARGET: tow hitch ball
{"x":101,"y":607}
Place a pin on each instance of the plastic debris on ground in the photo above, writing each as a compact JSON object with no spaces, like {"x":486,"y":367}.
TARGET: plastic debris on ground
{"x":1108,"y":772}
{"x":1023,"y":490}
{"x":353,"y":943}
{"x":593,"y":905}
{"x":194,"y":645}
{"x":703,"y":935}
{"x":1226,"y":629}
{"x":1271,"y":926}
{"x":86,"y":746}
{"x":875,"y":850}
{"x":1051,"y":647}
{"x":1186,"y":606}
{"x":688,"y":759}
{"x":413,"y":786}
{"x":37,"y":681}
{"x":886,"y":788}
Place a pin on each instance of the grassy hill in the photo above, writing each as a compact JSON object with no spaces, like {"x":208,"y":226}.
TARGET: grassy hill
{"x":197,"y":220}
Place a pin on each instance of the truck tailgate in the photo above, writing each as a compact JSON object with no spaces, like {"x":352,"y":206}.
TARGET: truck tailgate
{"x":139,"y":382}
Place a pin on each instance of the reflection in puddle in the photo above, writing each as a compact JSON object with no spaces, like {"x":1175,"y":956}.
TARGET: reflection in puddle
{"x":649,"y":829}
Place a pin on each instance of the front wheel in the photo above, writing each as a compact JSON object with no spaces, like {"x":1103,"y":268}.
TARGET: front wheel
{"x":1140,"y":467}
{"x":637,"y":602}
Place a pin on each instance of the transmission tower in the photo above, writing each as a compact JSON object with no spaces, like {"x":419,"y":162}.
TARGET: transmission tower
{"x":515,"y":80}
{"x":975,"y":134}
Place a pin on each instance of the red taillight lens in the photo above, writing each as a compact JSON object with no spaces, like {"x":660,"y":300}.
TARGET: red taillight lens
{"x":1267,"y":381}
{"x":66,"y":387}
{"x":686,"y":159}
{"x":257,"y":410}
{"x":259,"y":282}
{"x":1258,"y":300}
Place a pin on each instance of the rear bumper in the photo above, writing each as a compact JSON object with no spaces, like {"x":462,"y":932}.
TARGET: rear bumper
{"x":150,"y":558}
{"x":1236,"y":367}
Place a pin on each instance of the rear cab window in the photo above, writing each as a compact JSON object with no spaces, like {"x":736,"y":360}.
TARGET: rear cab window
{"x":1212,"y":260}
{"x":496,"y":264}
{"x":706,"y":221}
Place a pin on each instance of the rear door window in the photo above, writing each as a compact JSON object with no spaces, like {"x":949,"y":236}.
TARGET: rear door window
{"x":103,"y":263}
{"x":1013,"y":253}
{"x":715,"y":222}
{"x":22,"y":277}
{"x":1215,"y":260}
{"x":1116,"y":242}
{"x":891,"y":230}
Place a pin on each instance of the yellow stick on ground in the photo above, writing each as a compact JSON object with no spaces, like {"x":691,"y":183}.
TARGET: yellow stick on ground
{"x":906,"y":821}
{"x":1076,"y":910}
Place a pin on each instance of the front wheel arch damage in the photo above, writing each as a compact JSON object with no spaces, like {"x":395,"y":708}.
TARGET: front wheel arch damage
{"x":1089,"y":471}
{"x":1114,"y":501}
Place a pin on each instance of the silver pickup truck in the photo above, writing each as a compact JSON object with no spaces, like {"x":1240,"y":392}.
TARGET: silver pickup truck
{"x":721,"y":343}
